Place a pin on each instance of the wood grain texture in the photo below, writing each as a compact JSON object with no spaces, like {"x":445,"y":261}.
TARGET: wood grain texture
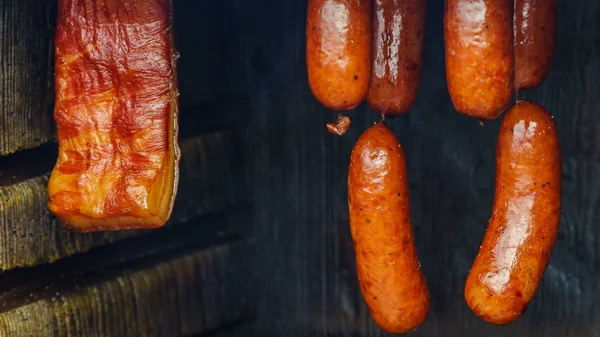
{"x":308,"y":278}
{"x":186,"y":295}
{"x":27,"y":78}
{"x":26,"y":94}
{"x":212,"y":178}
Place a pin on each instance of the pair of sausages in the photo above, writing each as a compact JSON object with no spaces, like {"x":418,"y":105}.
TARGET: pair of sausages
{"x":515,"y":250}
{"x":360,"y":48}
{"x":494,"y":47}
{"x":389,"y":272}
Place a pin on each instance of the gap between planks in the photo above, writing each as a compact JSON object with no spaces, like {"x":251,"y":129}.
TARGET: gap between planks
{"x":212,"y":177}
{"x":16,"y":286}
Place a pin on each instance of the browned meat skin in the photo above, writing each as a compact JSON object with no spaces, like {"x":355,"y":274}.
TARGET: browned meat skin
{"x":479,"y":55}
{"x":522,"y":231}
{"x":389,"y":272}
{"x":116,"y":115}
{"x":535,"y":40}
{"x":338,"y":51}
{"x":398,"y":34}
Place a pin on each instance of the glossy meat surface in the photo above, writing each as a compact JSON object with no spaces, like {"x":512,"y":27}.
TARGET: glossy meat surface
{"x":116,"y":110}
{"x":338,"y":51}
{"x":524,"y":225}
{"x":535,"y":40}
{"x":478,"y":35}
{"x":398,"y":36}
{"x":390,"y":276}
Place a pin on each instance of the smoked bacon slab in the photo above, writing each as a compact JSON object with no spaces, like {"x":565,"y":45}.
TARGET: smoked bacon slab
{"x":116,"y":115}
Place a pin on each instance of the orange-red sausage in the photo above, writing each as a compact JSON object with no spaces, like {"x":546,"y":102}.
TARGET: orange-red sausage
{"x":479,"y":55}
{"x":398,"y":31}
{"x":522,"y":231}
{"x":389,"y":272}
{"x":338,"y":51}
{"x":535,"y":41}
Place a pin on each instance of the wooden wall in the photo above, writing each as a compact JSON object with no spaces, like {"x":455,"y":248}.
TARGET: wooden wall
{"x":310,"y":286}
{"x":260,"y":230}
{"x":191,"y":278}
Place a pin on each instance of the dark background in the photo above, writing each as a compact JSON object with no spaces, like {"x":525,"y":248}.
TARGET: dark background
{"x":300,"y":182}
{"x":259,"y":241}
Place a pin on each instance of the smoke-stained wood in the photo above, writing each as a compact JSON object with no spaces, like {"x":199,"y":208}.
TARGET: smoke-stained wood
{"x":309,"y":280}
{"x":212,"y":178}
{"x":196,"y":292}
{"x":26,"y":70}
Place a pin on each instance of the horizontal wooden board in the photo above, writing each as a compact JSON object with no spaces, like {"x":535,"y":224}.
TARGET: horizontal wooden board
{"x":187,"y":295}
{"x":212,"y":177}
{"x":26,"y":68}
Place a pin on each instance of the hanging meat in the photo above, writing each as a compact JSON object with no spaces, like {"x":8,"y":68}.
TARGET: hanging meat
{"x":116,"y":115}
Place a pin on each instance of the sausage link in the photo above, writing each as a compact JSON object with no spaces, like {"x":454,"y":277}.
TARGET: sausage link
{"x":478,"y":37}
{"x":535,"y":40}
{"x":522,"y":231}
{"x":398,"y":31}
{"x":338,"y":51}
{"x":389,"y":272}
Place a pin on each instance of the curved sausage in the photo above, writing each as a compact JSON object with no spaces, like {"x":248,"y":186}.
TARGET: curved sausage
{"x":398,"y":33}
{"x":478,"y":37}
{"x":389,"y":272}
{"x":522,"y":231}
{"x":535,"y":40}
{"x":338,"y":51}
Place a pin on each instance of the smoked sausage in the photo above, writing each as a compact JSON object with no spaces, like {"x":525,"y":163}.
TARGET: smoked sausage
{"x":535,"y":40}
{"x":398,"y":31}
{"x":389,"y":272}
{"x":478,"y":37}
{"x":116,"y":115}
{"x":338,"y":52}
{"x":523,"y":228}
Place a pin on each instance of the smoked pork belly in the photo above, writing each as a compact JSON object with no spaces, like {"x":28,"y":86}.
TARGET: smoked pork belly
{"x":116,"y":114}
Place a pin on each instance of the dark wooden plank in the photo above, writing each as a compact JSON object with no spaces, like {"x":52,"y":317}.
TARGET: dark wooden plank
{"x":241,"y":328}
{"x":211,"y":178}
{"x":300,"y":174}
{"x":26,"y":68}
{"x":199,"y":291}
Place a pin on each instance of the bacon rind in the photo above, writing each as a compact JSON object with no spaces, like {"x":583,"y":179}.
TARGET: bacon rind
{"x":116,"y":115}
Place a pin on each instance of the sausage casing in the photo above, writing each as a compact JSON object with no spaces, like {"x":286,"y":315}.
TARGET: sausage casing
{"x":478,"y":36}
{"x":535,"y":40}
{"x":524,"y":225}
{"x":389,"y":272}
{"x":338,"y":51}
{"x":116,"y":115}
{"x":398,"y":34}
